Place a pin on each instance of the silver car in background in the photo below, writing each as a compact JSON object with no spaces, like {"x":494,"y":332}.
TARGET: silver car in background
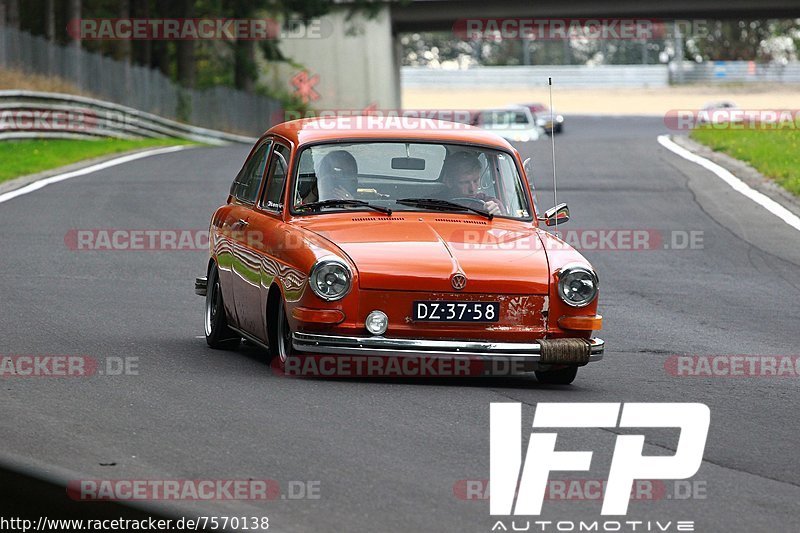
{"x":513,"y":123}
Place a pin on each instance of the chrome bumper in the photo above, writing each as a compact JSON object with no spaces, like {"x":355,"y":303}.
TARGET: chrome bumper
{"x":382,"y":346}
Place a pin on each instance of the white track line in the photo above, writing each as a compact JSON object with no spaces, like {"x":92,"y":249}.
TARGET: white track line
{"x":738,"y":185}
{"x":36,"y":185}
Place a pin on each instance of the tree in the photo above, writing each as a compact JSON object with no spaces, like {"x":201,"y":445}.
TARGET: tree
{"x":185,"y":49}
{"x":12,"y":13}
{"x":744,"y":40}
{"x":122,"y":50}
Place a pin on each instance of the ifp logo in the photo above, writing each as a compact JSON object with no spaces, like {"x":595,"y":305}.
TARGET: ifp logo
{"x":628,"y":464}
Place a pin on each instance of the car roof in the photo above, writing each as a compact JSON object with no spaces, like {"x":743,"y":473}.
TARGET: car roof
{"x":510,"y":107}
{"x":362,"y":127}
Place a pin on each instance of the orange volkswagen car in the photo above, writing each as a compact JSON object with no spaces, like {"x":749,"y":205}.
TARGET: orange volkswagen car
{"x":413,"y":239}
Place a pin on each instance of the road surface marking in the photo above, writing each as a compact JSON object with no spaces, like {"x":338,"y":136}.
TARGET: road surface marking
{"x":36,"y":185}
{"x":738,"y":185}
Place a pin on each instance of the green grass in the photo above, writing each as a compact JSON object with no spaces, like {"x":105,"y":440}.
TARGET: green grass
{"x":31,"y":156}
{"x":774,"y":153}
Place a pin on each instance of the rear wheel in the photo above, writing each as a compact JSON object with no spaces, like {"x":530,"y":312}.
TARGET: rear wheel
{"x":562,"y":376}
{"x":218,"y":334}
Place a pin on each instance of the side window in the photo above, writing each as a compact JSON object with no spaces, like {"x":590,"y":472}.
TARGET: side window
{"x":276,"y":178}
{"x":245,"y":186}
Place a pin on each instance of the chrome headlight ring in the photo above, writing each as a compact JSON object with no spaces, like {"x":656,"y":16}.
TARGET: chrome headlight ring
{"x":577,"y":285}
{"x":331,"y":279}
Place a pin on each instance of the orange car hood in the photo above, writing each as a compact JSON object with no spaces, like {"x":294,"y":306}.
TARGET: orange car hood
{"x":420,"y":253}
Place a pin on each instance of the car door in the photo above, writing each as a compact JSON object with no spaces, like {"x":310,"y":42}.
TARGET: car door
{"x":269,"y":225}
{"x":246,"y":267}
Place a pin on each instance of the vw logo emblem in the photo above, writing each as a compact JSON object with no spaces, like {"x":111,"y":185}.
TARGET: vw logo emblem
{"x":459,"y":281}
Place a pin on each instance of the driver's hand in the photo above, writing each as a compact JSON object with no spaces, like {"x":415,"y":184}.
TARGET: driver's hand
{"x":493,"y":207}
{"x":340,"y":193}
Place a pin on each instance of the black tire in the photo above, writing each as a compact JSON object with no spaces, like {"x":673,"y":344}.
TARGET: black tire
{"x":218,"y":334}
{"x":280,"y":345}
{"x":562,"y":376}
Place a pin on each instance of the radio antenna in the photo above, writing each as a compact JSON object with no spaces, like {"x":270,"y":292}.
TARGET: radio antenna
{"x":553,"y":146}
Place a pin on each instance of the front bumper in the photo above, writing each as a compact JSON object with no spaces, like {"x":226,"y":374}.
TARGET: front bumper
{"x":547,"y":352}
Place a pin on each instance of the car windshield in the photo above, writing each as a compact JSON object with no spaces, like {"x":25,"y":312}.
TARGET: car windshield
{"x":504,"y":119}
{"x":409,"y":177}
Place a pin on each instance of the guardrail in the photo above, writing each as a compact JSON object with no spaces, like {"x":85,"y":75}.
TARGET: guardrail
{"x":140,"y":87}
{"x":32,"y":114}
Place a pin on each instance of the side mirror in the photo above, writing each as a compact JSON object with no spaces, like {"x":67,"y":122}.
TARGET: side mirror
{"x":556,"y":215}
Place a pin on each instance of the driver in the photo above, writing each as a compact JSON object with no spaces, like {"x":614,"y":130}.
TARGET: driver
{"x":462,"y":177}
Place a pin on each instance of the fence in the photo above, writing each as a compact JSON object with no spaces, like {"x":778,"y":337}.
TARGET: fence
{"x":641,"y":76}
{"x":735,"y":72}
{"x":532,"y":76}
{"x":138,"y":87}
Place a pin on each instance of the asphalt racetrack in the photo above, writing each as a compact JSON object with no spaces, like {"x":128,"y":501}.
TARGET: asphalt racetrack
{"x":386,"y":455}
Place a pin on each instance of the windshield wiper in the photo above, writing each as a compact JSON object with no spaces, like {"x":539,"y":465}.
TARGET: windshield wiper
{"x":335,"y":202}
{"x":445,"y":205}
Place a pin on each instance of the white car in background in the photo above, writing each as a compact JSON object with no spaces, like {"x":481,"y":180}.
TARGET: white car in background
{"x":513,"y":123}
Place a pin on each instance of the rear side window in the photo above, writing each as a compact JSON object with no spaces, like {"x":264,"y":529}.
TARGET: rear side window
{"x":276,"y":178}
{"x":246,"y":185}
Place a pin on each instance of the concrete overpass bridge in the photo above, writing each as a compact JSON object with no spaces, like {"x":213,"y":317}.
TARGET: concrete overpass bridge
{"x":437,"y":15}
{"x":359,"y":64}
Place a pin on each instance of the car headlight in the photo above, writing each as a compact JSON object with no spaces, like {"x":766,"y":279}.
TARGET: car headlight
{"x":577,"y":285}
{"x":330,"y":279}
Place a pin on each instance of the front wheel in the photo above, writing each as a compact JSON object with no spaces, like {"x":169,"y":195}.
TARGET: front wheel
{"x":281,"y":349}
{"x":218,"y":334}
{"x":562,"y":376}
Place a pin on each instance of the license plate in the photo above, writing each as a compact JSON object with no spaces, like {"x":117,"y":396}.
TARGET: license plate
{"x":457,"y":311}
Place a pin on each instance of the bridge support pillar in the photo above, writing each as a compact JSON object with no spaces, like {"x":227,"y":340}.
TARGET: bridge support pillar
{"x":353,"y":65}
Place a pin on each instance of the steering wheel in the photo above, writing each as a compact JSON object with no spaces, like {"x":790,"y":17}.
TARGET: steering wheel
{"x":475,"y":202}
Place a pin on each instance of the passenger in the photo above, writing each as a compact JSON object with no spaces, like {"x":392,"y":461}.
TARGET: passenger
{"x":338,"y":176}
{"x":336,"y":179}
